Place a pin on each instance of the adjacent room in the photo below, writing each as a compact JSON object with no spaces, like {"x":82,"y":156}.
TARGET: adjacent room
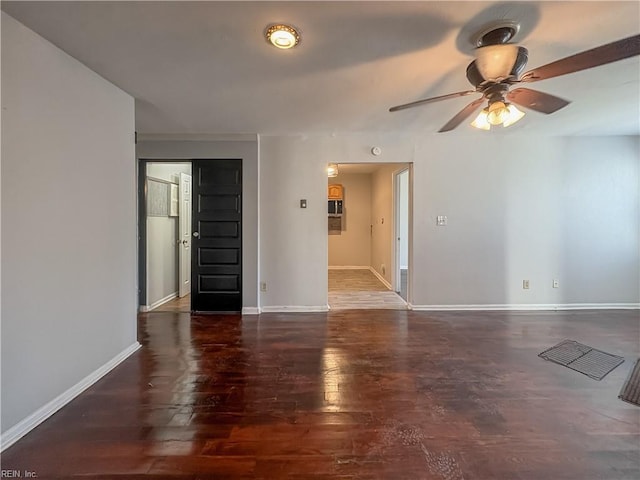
{"x":320,"y":240}
{"x":368,"y":217}
{"x":165,"y":264}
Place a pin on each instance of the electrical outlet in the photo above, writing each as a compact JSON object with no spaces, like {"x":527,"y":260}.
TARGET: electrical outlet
{"x":263,"y":286}
{"x":525,"y":284}
{"x":556,"y":283}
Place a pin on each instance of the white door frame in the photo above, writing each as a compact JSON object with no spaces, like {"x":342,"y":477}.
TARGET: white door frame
{"x":397,"y":191}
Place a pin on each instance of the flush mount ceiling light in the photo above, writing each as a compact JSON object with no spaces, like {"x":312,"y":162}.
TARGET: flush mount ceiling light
{"x":332,"y":170}
{"x":283,"y":36}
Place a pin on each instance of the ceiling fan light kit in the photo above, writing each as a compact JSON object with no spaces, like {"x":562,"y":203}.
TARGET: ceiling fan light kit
{"x":498,"y":113}
{"x":499,"y":65}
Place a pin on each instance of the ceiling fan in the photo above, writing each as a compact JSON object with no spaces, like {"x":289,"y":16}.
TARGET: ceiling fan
{"x":499,"y":65}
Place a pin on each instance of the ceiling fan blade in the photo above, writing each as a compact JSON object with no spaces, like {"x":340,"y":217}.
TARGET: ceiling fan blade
{"x":611,"y":52}
{"x":430,"y":100}
{"x":462,"y":115}
{"x":535,"y":100}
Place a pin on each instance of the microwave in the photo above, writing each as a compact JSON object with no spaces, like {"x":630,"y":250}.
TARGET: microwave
{"x":335,"y":208}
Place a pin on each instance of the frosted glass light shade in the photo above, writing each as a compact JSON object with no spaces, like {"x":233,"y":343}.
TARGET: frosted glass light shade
{"x":332,"y":170}
{"x":513,"y":116}
{"x":481,"y":120}
{"x":496,"y":61}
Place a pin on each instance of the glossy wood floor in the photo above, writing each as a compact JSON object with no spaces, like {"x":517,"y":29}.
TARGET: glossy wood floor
{"x":350,"y":395}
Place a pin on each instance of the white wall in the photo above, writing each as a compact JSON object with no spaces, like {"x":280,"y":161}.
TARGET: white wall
{"x":353,"y":246}
{"x":518,"y":207}
{"x":293,"y":240}
{"x":526,"y":208}
{"x":152,"y":147}
{"x":162,"y":236}
{"x":68,"y":223}
{"x":599,"y":220}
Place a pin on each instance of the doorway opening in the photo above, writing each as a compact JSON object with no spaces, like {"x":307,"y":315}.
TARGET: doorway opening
{"x":401,"y":225}
{"x":165,"y":228}
{"x":365,"y":219}
{"x":190,"y":235}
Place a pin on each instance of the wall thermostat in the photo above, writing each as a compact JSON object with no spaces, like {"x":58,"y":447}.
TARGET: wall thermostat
{"x":376,"y":151}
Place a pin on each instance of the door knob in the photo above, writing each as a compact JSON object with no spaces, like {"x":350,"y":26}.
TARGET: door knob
{"x":196,"y":234}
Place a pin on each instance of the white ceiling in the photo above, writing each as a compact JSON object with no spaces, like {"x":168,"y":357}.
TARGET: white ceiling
{"x":205,"y":67}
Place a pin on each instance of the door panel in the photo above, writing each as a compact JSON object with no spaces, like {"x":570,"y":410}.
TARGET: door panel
{"x":219,"y":256}
{"x":217,"y":237}
{"x":220,"y":203}
{"x":213,"y":229}
{"x":184,"y":216}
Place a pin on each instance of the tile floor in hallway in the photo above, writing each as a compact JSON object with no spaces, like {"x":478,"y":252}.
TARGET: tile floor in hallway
{"x":360,"y":289}
{"x":176,"y":305}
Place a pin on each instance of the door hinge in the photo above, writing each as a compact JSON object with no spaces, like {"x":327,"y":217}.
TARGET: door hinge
{"x":135,"y":138}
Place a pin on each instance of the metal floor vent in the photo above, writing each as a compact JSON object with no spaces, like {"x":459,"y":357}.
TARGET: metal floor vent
{"x":631,"y":389}
{"x":582,"y":358}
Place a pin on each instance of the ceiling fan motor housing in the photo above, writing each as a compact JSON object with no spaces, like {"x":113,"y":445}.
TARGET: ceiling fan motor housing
{"x":497,"y":34}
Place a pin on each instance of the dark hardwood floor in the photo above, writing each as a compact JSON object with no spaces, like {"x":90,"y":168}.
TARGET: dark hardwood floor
{"x":350,"y":395}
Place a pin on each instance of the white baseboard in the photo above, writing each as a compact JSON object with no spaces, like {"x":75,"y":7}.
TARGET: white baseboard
{"x":295,"y":309}
{"x":19,"y":430}
{"x":349,"y":267}
{"x":527,"y":307}
{"x":598,"y":306}
{"x":381,"y":278}
{"x":162,"y":301}
{"x":250,"y":311}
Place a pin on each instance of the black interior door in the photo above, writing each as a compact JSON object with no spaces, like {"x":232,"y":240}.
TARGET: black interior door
{"x":216,"y":259}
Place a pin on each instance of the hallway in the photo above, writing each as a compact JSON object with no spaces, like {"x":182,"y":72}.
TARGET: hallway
{"x":360,"y":289}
